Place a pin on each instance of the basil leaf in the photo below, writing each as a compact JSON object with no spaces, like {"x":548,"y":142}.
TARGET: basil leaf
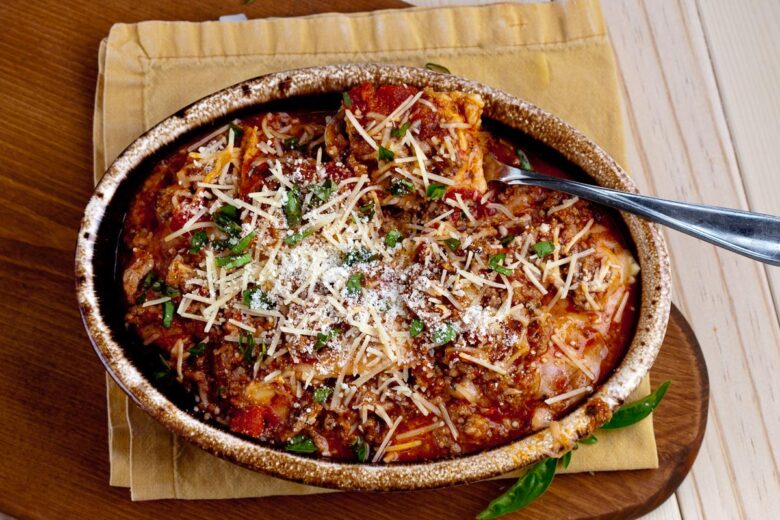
{"x":400,"y":131}
{"x":167,"y":317}
{"x":528,"y":488}
{"x":301,"y":444}
{"x":242,"y":244}
{"x":435,"y":67}
{"x":226,"y":223}
{"x":636,"y":411}
{"x":358,"y":256}
{"x":347,"y":100}
{"x":295,"y":239}
{"x":361,"y":449}
{"x":246,"y":345}
{"x":197,"y":241}
{"x":401,"y":187}
{"x":453,"y":244}
{"x":367,"y":210}
{"x":234,"y":261}
{"x":505,"y":241}
{"x":354,"y":284}
{"x":544,"y":248}
{"x":292,"y":207}
{"x":443,"y":334}
{"x":392,"y":238}
{"x":229,"y":211}
{"x":566,"y":459}
{"x":197,"y":350}
{"x":291,"y":143}
{"x":322,"y":393}
{"x":383,"y":154}
{"x":588,"y":440}
{"x":323,"y":191}
{"x":525,"y":164}
{"x":236,"y":130}
{"x":496,"y":263}
{"x":416,"y":327}
{"x":435,"y":191}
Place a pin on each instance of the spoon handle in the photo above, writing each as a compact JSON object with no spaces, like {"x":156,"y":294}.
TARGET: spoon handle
{"x":754,"y":235}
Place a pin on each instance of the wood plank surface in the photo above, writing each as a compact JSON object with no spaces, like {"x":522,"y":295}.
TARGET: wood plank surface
{"x":687,"y":146}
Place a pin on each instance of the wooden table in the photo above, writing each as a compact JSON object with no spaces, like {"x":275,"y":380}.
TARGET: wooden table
{"x":699,"y":83}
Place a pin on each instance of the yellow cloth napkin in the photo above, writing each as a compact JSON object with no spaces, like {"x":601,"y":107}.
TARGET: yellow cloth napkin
{"x":556,"y":55}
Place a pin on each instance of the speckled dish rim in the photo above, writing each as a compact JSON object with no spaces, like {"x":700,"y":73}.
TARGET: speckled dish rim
{"x":499,"y":106}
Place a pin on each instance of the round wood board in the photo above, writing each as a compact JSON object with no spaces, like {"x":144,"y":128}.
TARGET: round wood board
{"x":679,"y":428}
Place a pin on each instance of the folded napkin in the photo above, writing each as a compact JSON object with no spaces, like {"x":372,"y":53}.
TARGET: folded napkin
{"x":556,"y":55}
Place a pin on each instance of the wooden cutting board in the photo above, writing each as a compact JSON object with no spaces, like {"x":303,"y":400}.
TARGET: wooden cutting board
{"x":679,"y":428}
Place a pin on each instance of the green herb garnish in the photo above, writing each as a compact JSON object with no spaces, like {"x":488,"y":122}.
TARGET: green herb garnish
{"x":233,"y":261}
{"x":257,"y":299}
{"x":296,"y":238}
{"x":359,"y":256}
{"x":401,"y":187}
{"x":229,"y":211}
{"x":323,"y":191}
{"x":392,"y":238}
{"x":324,"y":337}
{"x":197,"y":241}
{"x":347,"y":100}
{"x":416,"y":327}
{"x":361,"y":449}
{"x":242,"y":244}
{"x":400,"y":131}
{"x":164,"y":371}
{"x":505,"y":241}
{"x":638,"y":410}
{"x":528,"y":488}
{"x":589,"y":440}
{"x":227,"y":221}
{"x":496,"y":263}
{"x":291,"y":143}
{"x":321,"y":394}
{"x":453,"y":244}
{"x":383,"y":154}
{"x":167,"y":316}
{"x":525,"y":164}
{"x":435,"y":67}
{"x":236,"y":130}
{"x":292,"y":207}
{"x":367,"y":210}
{"x":543,"y":249}
{"x":301,"y":444}
{"x":566,"y":459}
{"x":354,"y":284}
{"x":435,"y":191}
{"x":443,"y":334}
{"x":197,"y":350}
{"x":246,"y":345}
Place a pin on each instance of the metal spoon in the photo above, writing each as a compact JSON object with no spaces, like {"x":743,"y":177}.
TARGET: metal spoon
{"x":754,"y":235}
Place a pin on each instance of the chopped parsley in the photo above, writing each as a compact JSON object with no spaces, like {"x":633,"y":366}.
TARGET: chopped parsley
{"x":359,"y":256}
{"x":322,"y":393}
{"x":401,"y":187}
{"x":233,"y":261}
{"x":167,"y":316}
{"x":453,"y":244}
{"x":400,"y":131}
{"x":361,"y":449}
{"x":443,"y":334}
{"x":416,"y":327}
{"x":544,"y":248}
{"x":257,"y":299}
{"x":301,"y":444}
{"x":354,"y":284}
{"x":383,"y":154}
{"x":292,"y":207}
{"x":296,"y":238}
{"x":241,"y":245}
{"x":496,"y":263}
{"x":347,"y":100}
{"x":324,"y":337}
{"x":393,"y":237}
{"x":436,"y":191}
{"x":197,"y":241}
